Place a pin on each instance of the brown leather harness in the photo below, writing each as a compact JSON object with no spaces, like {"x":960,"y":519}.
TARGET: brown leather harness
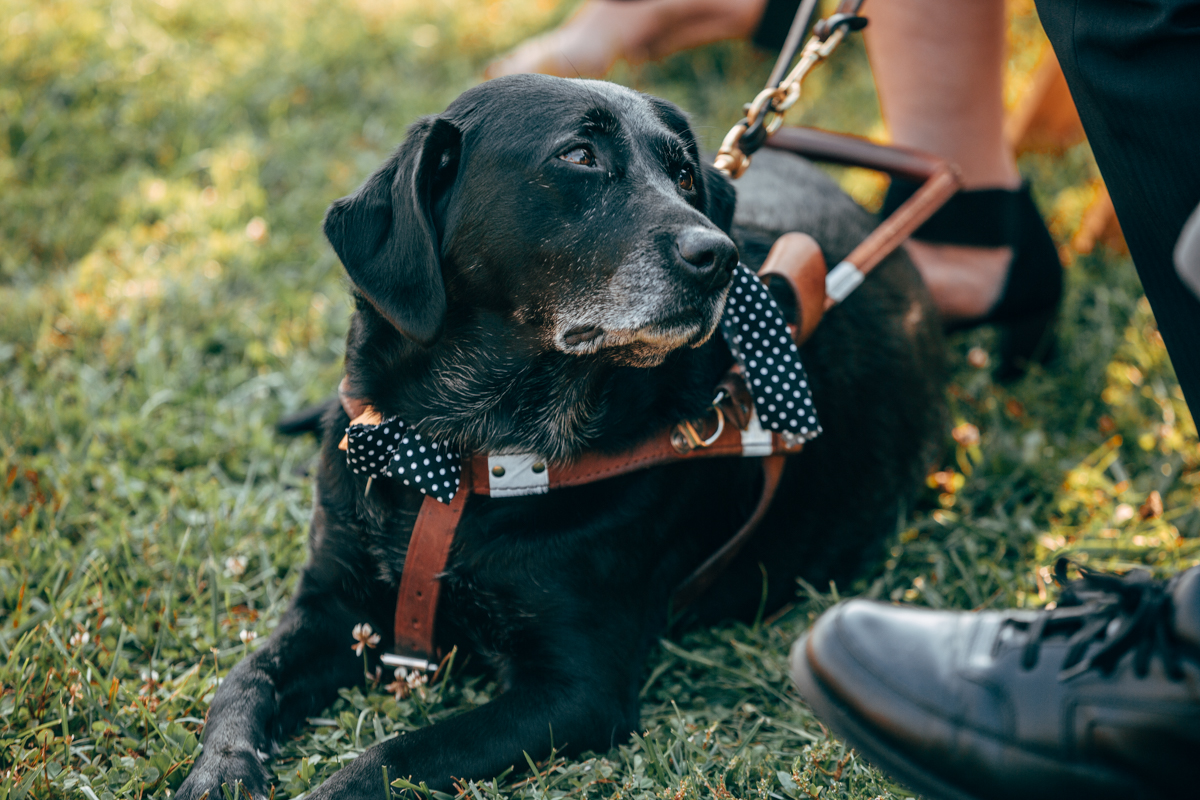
{"x":795,"y":258}
{"x":433,"y":532}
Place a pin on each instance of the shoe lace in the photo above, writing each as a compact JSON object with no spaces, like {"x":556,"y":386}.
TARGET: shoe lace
{"x":1123,"y":612}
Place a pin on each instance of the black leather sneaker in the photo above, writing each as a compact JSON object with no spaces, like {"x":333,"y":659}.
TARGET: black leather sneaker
{"x":1097,"y":698}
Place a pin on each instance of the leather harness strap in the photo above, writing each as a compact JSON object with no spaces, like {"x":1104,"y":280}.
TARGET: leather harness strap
{"x":436,"y":523}
{"x":433,"y":535}
{"x":706,"y":574}
{"x":514,"y":476}
{"x":420,"y":582}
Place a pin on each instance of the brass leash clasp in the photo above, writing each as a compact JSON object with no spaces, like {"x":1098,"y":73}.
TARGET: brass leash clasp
{"x":765,"y":114}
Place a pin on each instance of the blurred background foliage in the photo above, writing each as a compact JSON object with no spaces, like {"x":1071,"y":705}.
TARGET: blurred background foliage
{"x":165,"y":295}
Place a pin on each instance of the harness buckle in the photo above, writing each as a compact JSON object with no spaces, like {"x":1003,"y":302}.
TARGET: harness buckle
{"x":409,"y":662}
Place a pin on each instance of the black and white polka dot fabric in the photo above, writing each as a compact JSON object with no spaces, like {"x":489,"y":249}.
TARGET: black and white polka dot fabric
{"x":393,"y":450}
{"x":757,"y":335}
{"x":756,"y":332}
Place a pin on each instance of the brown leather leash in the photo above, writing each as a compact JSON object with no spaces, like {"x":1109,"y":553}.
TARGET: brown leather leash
{"x":939,"y":181}
{"x":762,"y":126}
{"x":795,"y":257}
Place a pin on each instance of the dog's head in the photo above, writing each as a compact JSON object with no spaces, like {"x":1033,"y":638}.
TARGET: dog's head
{"x":577,"y":210}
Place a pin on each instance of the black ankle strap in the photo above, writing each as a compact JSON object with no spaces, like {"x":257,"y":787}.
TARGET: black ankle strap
{"x":978,"y":218}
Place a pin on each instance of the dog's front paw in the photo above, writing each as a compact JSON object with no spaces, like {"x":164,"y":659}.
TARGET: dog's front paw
{"x":361,"y":779}
{"x":242,"y":768}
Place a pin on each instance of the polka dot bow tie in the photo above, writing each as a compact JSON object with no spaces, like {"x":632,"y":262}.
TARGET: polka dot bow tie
{"x":756,"y":332}
{"x":394,"y":450}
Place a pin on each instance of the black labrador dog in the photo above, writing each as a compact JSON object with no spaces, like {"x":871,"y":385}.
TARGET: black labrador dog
{"x":541,"y":268}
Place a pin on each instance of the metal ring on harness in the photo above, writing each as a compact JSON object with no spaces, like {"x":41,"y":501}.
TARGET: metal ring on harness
{"x":686,"y":438}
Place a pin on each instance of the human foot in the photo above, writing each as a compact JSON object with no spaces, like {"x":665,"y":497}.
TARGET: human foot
{"x":965,"y":282}
{"x":602,"y":32}
{"x":988,"y":258}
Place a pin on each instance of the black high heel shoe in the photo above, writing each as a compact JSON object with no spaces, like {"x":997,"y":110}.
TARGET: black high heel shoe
{"x":1033,"y":289}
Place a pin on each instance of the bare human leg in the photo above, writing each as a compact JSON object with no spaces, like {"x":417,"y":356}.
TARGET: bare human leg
{"x":603,"y":31}
{"x":939,"y":71}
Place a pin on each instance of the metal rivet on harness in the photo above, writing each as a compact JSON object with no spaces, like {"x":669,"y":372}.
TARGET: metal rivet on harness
{"x":498,"y":471}
{"x":538,"y":467}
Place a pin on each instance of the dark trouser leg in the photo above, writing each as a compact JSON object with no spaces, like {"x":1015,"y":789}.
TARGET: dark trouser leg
{"x":776,"y":21}
{"x":1134,"y":71}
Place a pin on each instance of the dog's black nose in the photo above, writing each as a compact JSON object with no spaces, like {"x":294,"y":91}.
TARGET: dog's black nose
{"x":708,"y":254}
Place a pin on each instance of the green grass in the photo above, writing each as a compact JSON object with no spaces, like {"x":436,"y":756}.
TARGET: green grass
{"x":165,"y":295}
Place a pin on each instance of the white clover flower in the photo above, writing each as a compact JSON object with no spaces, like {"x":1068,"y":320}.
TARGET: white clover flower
{"x":399,"y":687}
{"x":150,"y":681}
{"x":365,"y":637}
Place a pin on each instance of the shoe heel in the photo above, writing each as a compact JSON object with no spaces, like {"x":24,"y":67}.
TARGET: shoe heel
{"x":1025,"y":342}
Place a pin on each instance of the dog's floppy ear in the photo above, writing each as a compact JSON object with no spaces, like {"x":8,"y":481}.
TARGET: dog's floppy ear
{"x":385,"y":235}
{"x":720,"y":198}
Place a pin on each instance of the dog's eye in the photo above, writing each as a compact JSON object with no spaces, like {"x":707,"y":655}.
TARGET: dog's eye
{"x":686,"y":179}
{"x":579,"y":155}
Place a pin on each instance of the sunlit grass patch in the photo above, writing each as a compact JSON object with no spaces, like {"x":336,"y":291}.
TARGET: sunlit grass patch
{"x":165,"y":294}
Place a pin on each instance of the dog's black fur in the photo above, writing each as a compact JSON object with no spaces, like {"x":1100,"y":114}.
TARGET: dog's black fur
{"x":509,"y":298}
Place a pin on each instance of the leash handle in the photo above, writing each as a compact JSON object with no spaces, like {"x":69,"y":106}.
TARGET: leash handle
{"x":855,"y":151}
{"x":939,"y":181}
{"x":932,"y":195}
